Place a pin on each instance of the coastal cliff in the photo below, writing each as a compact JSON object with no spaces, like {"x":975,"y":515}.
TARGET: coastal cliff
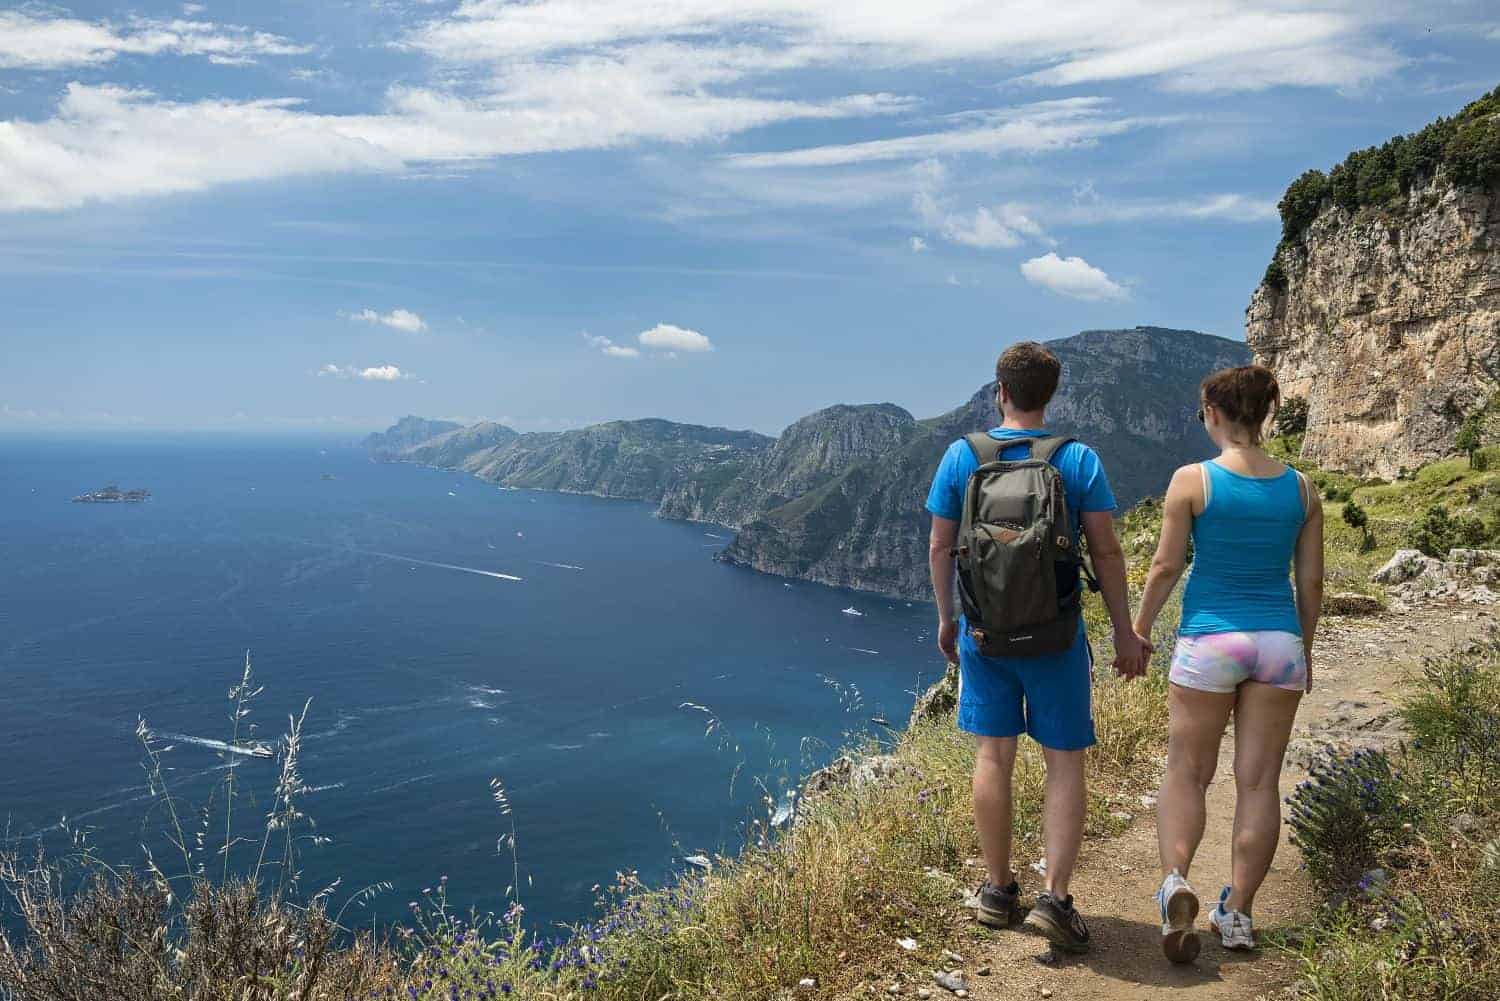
{"x":1381,"y":306}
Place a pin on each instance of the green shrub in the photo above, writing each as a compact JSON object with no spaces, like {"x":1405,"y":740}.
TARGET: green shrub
{"x":1358,"y":519}
{"x":1438,"y":532}
{"x":1275,"y":275}
{"x":1300,"y":204}
{"x":1469,"y":437}
{"x":1454,"y":721}
{"x":1291,"y":416}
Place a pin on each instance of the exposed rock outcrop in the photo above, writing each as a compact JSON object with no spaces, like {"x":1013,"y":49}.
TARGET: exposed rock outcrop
{"x":1386,"y":316}
{"x":1465,"y":577}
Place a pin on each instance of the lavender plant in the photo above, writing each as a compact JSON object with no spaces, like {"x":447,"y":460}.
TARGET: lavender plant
{"x":1348,"y":818}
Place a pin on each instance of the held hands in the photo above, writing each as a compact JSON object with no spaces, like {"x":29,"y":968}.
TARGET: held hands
{"x":1132,"y":654}
{"x":947,"y":640}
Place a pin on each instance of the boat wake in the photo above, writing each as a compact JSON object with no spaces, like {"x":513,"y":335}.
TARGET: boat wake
{"x":440,"y":566}
{"x":247,"y":750}
{"x":560,"y":566}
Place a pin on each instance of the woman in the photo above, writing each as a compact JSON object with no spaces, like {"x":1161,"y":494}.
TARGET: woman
{"x":1244,"y":646}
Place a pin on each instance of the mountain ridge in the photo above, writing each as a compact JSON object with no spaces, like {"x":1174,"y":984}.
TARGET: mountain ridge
{"x":837,"y":497}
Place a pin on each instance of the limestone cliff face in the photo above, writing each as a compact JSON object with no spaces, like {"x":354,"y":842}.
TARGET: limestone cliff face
{"x":1388,"y":324}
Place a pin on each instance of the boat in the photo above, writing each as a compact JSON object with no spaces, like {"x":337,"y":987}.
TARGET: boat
{"x":851,"y":610}
{"x":881,"y":720}
{"x":112,"y":495}
{"x":262,"y":751}
{"x":701,"y":861}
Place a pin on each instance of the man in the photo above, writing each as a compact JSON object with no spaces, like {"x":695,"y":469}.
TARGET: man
{"x":1046,"y":696}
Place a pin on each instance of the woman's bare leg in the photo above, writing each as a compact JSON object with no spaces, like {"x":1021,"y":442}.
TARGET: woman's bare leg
{"x":1263,"y":716}
{"x":1197,"y":721}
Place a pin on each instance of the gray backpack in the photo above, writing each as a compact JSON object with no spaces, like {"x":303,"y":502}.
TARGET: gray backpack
{"x":1017,"y":563}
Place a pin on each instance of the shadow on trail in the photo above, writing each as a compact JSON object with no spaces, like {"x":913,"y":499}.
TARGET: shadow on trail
{"x":1129,"y":952}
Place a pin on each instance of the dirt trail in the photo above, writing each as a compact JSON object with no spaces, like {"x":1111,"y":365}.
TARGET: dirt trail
{"x":1358,"y":664}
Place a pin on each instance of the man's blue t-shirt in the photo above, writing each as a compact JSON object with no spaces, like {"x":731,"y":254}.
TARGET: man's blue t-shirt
{"x":1084,"y":482}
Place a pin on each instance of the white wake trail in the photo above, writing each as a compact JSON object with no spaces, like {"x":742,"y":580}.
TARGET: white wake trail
{"x":441,"y":566}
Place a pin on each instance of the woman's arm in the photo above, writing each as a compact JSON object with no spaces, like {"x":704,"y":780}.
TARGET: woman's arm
{"x":1184,"y":496}
{"x":1308,"y":575}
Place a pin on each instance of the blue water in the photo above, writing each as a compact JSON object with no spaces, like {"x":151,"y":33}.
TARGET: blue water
{"x":426,"y":681}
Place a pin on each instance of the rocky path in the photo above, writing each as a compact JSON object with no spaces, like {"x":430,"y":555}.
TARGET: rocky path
{"x":1358,"y":665}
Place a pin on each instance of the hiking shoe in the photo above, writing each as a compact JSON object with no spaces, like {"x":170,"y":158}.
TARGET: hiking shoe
{"x":1233,"y":927}
{"x":999,"y":907}
{"x":1179,"y":909}
{"x":1059,"y":922}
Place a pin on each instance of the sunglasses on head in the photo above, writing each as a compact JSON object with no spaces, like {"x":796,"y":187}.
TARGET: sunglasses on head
{"x":1200,"y":416}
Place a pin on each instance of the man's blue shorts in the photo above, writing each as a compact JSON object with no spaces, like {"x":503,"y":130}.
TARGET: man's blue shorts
{"x":1049,"y":697}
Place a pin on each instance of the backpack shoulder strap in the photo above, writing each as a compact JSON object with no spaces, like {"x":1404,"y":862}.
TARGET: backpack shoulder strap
{"x":986,"y":449}
{"x":1043,"y":449}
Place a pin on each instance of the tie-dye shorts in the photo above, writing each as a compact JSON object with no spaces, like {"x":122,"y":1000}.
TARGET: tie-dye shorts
{"x":1221,"y":662}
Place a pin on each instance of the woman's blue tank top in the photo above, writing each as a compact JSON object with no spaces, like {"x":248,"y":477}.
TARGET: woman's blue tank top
{"x":1243,"y":543}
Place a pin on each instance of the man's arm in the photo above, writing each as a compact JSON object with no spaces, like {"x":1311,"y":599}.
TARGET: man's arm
{"x":940,"y":562}
{"x":1109,"y":567}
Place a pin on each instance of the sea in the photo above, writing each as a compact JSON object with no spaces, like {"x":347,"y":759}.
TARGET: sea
{"x":508,"y":695}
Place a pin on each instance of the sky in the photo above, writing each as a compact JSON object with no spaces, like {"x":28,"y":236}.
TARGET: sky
{"x":315,"y":215}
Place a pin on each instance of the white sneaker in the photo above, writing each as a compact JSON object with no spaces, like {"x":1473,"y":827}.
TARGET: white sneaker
{"x":1233,"y":927}
{"x":1179,"y":909}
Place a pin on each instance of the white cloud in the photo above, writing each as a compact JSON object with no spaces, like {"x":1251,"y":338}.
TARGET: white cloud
{"x":1041,"y":127}
{"x":985,"y":227}
{"x":33,"y":41}
{"x":1071,"y":276}
{"x":1228,"y":207}
{"x":917,"y":244}
{"x":1188,"y":44}
{"x":609,"y":348}
{"x":666,"y":337}
{"x":107,"y":142}
{"x":397,"y":319}
{"x":556,"y":75}
{"x":373,"y":373}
